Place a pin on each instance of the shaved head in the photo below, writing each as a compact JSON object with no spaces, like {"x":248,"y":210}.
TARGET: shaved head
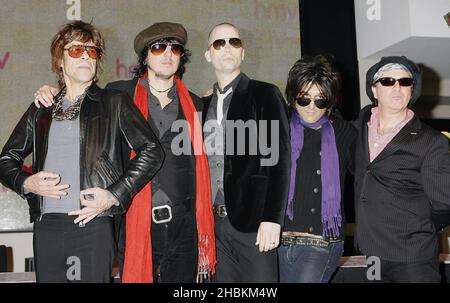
{"x":224,"y":24}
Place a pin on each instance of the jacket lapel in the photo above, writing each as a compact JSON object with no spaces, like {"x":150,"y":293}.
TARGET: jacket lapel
{"x":239,"y":100}
{"x":364,"y":135}
{"x":42,"y":128}
{"x":409,"y":131}
{"x":206,"y":103}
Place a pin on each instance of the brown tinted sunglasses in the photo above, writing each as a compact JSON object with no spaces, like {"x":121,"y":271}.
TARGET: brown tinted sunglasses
{"x":76,"y":51}
{"x":159,"y":48}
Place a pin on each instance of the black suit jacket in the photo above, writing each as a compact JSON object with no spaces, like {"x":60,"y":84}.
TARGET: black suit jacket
{"x":397,"y":192}
{"x":256,"y":193}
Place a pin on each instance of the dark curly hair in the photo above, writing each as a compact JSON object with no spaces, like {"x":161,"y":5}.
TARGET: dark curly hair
{"x":318,"y":70}
{"x":142,"y":66}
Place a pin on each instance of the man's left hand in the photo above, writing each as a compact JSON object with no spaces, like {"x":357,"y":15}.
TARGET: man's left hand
{"x":268,"y":236}
{"x":95,"y":201}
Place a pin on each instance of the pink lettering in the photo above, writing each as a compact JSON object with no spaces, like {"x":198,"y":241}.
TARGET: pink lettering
{"x":4,"y":60}
{"x":275,"y":11}
{"x":123,"y":71}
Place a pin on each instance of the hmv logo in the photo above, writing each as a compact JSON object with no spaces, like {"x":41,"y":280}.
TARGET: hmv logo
{"x":4,"y":58}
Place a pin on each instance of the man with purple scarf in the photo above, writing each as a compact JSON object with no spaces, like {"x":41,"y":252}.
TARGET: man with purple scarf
{"x":322,"y":151}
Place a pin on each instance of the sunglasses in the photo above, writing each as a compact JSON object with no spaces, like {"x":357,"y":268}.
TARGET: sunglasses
{"x":76,"y":51}
{"x":158,"y":49}
{"x":320,"y":103}
{"x":219,"y":43}
{"x":389,"y":81}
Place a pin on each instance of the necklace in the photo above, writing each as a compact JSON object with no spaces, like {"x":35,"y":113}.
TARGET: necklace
{"x":70,"y":113}
{"x":159,"y":91}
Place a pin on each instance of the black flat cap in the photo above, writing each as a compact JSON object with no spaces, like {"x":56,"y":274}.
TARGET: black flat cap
{"x":411,"y":66}
{"x":158,"y":31}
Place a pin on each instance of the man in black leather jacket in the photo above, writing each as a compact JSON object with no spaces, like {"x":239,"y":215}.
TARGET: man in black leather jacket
{"x":175,"y":249}
{"x":79,"y":172}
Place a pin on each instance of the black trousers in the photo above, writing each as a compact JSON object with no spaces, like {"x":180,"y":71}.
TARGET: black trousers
{"x":65,"y":252}
{"x":417,"y":272}
{"x":174,"y":247}
{"x":239,"y":259}
{"x":175,"y":250}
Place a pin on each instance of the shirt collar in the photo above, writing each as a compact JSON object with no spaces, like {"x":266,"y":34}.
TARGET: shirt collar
{"x":232,"y":84}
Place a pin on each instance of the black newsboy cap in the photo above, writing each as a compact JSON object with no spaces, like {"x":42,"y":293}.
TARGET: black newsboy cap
{"x":411,"y":66}
{"x":158,"y":31}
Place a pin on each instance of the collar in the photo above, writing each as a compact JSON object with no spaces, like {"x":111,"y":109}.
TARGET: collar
{"x":375,"y":120}
{"x":233,"y":84}
{"x":172,"y":93}
{"x":94,"y":92}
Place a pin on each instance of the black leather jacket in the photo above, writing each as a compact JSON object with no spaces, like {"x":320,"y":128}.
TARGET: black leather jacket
{"x":110,"y":125}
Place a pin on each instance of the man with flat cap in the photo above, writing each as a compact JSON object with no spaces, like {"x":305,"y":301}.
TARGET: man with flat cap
{"x":402,"y":176}
{"x":169,"y":228}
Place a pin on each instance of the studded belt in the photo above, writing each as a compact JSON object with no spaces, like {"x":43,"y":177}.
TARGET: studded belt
{"x":298,"y":238}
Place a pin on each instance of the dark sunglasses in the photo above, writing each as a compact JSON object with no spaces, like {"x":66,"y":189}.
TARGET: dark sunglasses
{"x":76,"y":51}
{"x":389,"y":81}
{"x":320,"y":103}
{"x":158,"y":49}
{"x":219,"y":43}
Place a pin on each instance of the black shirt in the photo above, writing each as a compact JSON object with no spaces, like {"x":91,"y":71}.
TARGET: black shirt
{"x":308,"y":187}
{"x":308,"y":182}
{"x":163,"y":118}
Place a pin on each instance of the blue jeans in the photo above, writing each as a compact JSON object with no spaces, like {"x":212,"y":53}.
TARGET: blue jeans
{"x":308,"y":264}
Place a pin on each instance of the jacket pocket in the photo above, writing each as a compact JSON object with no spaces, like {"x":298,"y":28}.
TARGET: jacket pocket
{"x":106,"y":170}
{"x":407,"y":207}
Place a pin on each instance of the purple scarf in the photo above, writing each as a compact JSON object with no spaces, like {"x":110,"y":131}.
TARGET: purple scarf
{"x":329,"y":162}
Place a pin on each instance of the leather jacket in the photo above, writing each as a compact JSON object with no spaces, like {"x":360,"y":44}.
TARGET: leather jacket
{"x":110,"y":125}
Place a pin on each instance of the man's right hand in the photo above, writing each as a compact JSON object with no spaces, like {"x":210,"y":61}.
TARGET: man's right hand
{"x":45,"y":184}
{"x":44,"y":95}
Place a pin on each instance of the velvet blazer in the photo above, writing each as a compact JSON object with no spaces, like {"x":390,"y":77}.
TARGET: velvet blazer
{"x":256,"y":192}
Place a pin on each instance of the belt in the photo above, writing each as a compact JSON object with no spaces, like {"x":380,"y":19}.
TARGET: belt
{"x":220,"y":210}
{"x":298,"y":238}
{"x":165,"y":213}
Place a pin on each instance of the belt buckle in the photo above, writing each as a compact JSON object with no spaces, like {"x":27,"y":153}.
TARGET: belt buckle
{"x":166,"y":212}
{"x":221,"y":211}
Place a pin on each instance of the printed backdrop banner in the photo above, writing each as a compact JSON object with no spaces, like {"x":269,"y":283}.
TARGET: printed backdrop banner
{"x":269,"y":29}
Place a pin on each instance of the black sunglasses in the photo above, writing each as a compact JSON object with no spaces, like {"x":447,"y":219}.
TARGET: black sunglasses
{"x":320,"y":103}
{"x":219,"y":43}
{"x":159,"y":48}
{"x":389,"y":81}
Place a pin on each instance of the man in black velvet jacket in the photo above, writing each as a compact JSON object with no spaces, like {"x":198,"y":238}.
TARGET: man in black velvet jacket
{"x":249,"y":173}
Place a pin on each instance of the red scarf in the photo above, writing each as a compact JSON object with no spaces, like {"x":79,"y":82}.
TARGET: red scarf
{"x":138,"y":246}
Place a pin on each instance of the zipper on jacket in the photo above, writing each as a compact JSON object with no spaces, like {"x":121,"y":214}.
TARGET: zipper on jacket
{"x":35,"y":161}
